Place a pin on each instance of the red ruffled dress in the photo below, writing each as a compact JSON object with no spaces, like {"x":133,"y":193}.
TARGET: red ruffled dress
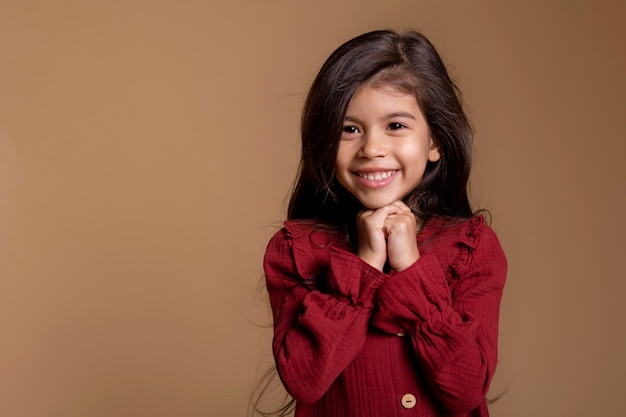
{"x":350,"y":340}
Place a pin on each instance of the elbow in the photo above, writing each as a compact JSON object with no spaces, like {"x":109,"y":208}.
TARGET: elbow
{"x":463,"y":404}
{"x":304,"y":387}
{"x":460,"y":399}
{"x":303,"y":397}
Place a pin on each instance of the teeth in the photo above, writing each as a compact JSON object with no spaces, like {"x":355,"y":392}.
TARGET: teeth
{"x":376,"y":176}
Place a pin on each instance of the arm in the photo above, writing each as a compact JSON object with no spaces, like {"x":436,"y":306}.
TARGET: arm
{"x":317,"y":331}
{"x":453,"y":328}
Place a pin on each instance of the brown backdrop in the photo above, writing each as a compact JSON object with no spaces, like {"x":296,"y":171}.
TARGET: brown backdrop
{"x":146,"y":148}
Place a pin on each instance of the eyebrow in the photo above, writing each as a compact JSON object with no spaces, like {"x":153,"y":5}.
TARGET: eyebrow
{"x":389,"y":116}
{"x":401,"y":114}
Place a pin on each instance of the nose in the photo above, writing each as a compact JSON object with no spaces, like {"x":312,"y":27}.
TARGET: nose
{"x":374,"y":145}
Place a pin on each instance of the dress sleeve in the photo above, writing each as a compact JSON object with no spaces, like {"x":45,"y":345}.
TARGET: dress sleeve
{"x":453,"y":323}
{"x":320,"y":320}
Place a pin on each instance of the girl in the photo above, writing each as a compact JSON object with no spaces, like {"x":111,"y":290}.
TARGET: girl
{"x":384,"y":286}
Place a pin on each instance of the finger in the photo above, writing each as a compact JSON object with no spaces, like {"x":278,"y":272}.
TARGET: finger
{"x":378,"y":216}
{"x":402,"y":205}
{"x":364,"y":214}
{"x":393,"y":208}
{"x":407,"y":219}
{"x":376,"y":219}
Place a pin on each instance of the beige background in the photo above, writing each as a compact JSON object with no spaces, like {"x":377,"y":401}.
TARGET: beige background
{"x":147,"y":147}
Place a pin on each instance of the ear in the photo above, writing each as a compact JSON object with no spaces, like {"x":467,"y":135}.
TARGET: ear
{"x":433,"y":152}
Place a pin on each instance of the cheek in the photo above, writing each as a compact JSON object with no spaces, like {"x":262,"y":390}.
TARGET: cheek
{"x":416,"y":161}
{"x":342,"y":160}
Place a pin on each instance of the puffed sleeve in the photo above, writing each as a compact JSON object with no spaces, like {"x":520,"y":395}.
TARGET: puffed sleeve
{"x":451,"y":315}
{"x":322,"y":300}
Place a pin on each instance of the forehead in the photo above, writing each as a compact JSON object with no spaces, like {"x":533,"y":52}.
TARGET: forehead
{"x":379,"y":94}
{"x":392,"y":84}
{"x":397,"y":77}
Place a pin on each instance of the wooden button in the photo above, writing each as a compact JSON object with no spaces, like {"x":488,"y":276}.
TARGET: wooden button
{"x":409,"y":401}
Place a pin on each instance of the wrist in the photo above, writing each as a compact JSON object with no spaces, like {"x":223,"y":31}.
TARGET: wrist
{"x":405,"y":263}
{"x":373,"y":261}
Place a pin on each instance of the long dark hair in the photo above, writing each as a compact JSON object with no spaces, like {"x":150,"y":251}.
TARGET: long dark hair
{"x":409,"y":63}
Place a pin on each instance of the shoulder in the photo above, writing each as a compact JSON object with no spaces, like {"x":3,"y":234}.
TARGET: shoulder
{"x":303,"y":244}
{"x":304,"y":233}
{"x":462,"y":244}
{"x":465,"y":231}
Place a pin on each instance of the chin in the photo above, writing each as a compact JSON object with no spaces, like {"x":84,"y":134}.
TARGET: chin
{"x":375,"y":205}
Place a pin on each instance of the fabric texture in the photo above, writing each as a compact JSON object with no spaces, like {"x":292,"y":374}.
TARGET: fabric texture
{"x":350,"y":340}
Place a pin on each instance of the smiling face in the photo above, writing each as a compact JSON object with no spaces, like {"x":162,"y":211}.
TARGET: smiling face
{"x":384,"y":147}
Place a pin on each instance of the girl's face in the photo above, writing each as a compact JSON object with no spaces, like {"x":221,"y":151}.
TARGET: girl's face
{"x":384,"y":146}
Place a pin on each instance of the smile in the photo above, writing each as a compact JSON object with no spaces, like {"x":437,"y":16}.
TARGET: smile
{"x":376,"y":176}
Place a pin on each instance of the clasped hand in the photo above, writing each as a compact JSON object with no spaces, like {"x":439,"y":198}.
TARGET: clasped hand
{"x":388,"y":233}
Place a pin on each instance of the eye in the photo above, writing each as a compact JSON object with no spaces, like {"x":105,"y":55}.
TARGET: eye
{"x":396,"y":126}
{"x":350,"y":129}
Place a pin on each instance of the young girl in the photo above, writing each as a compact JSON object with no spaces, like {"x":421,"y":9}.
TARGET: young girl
{"x":385,"y":287}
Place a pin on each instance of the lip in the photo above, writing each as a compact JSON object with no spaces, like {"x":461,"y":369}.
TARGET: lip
{"x":375,"y":178}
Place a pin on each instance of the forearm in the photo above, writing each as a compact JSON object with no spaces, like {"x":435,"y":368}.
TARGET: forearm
{"x":458,"y":364}
{"x":312,"y":348}
{"x":454,"y":338}
{"x":320,"y":322}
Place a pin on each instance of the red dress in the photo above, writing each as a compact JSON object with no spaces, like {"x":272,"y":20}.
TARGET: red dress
{"x":350,"y":340}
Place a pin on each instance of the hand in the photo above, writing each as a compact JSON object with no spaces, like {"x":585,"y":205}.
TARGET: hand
{"x":388,"y":232}
{"x":401,"y":230}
